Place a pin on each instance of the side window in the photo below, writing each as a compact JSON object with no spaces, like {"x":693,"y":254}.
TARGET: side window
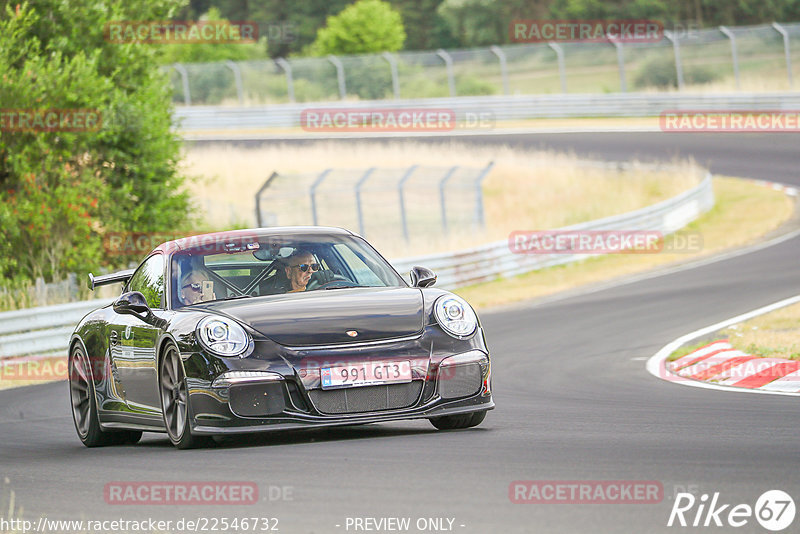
{"x":149,"y":281}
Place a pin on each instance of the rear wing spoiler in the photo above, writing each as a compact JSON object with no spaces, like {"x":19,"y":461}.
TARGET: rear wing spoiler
{"x":106,"y":279}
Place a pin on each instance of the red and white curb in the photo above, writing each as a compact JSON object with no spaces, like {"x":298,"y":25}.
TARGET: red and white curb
{"x":720,"y":363}
{"x":777,"y":186}
{"x":719,"y":366}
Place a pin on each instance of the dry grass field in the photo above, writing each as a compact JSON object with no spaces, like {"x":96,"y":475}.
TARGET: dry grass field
{"x":743,"y":213}
{"x":524,"y":191}
{"x":776,"y":334}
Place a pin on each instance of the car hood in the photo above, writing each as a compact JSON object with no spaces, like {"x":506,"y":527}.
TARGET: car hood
{"x":324,"y":317}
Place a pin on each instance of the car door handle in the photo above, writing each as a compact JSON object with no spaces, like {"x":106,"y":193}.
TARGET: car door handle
{"x":114,"y":337}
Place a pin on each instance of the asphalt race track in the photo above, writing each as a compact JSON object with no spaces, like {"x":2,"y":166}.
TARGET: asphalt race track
{"x":574,"y":402}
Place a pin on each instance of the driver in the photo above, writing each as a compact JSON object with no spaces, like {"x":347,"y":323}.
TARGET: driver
{"x":299,"y":268}
{"x":191,"y":288}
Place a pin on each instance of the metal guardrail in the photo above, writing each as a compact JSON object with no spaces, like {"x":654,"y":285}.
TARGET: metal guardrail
{"x":46,"y":330}
{"x":42,"y":330}
{"x":488,"y":109}
{"x":488,"y":262}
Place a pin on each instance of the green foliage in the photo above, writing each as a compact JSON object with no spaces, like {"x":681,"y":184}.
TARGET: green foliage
{"x":60,"y":191}
{"x":425,"y":28}
{"x":652,"y":9}
{"x":308,"y":91}
{"x":476,"y":22}
{"x":369,"y":80}
{"x":472,"y":86}
{"x":708,"y":13}
{"x":659,"y":71}
{"x":485,"y":22}
{"x":582,"y":9}
{"x":211,"y":52}
{"x":303,"y":19}
{"x":432,"y":24}
{"x":365,"y":27}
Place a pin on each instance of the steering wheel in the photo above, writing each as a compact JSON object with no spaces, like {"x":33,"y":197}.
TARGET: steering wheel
{"x":337,"y":281}
{"x":344,"y":282}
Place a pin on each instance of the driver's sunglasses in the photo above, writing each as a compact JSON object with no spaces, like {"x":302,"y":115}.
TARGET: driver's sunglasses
{"x":195,"y":287}
{"x":305,"y":266}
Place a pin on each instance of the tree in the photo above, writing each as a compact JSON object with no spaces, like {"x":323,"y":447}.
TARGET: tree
{"x":474,"y":22}
{"x":211,"y":52}
{"x":486,"y":22}
{"x":425,"y":28}
{"x":301,"y":19}
{"x":62,"y":190}
{"x":366,"y":27}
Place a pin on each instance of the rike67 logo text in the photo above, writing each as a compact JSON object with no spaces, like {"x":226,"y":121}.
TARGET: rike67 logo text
{"x":774,"y":510}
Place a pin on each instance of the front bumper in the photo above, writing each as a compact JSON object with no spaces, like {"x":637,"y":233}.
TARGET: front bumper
{"x":287,"y":394}
{"x":294,"y":423}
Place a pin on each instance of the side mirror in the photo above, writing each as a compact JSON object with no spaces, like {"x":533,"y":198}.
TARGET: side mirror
{"x":422,"y":277}
{"x":132,"y":302}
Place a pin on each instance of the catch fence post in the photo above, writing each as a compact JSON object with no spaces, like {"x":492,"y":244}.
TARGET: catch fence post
{"x":400,"y":185}
{"x":360,"y":213}
{"x":313,"y":193}
{"x":442,"y":184}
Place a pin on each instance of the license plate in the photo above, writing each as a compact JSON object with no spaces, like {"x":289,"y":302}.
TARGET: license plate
{"x":365,"y":374}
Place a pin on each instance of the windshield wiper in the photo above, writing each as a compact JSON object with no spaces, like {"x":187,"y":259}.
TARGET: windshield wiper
{"x":341,"y":287}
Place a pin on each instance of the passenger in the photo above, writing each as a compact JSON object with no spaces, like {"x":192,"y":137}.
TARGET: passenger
{"x":191,"y":288}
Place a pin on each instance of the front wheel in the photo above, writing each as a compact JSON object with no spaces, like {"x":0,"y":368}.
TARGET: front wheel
{"x":453,"y":422}
{"x":175,"y":402}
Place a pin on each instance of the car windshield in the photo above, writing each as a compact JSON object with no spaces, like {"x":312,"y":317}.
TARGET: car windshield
{"x":258,"y":266}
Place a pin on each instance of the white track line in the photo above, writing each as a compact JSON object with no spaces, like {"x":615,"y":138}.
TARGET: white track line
{"x":656,"y":364}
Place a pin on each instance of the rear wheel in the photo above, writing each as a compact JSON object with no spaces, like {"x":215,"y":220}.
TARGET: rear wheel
{"x":453,"y":422}
{"x":175,"y":402}
{"x":84,"y":405}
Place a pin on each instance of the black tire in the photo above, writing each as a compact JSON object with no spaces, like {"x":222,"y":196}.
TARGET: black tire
{"x":84,"y":405}
{"x":128,"y":437}
{"x":453,"y":422}
{"x":175,"y":401}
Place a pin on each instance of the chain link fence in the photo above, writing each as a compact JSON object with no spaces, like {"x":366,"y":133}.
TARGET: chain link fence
{"x":747,"y":58}
{"x":401,"y":203}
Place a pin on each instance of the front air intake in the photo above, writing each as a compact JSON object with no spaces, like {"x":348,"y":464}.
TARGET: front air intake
{"x":366,"y":398}
{"x":462,"y":380}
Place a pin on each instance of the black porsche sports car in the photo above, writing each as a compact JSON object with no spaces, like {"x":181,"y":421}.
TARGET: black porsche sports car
{"x":274,"y":328}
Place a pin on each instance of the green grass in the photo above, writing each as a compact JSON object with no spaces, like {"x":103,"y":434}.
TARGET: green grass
{"x":687,"y":349}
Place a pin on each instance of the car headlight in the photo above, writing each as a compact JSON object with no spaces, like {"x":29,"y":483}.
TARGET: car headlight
{"x":455,"y":316}
{"x":222,"y":336}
